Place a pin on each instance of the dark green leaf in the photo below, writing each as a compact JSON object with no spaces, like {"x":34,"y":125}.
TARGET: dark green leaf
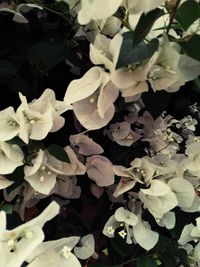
{"x":191,"y":46}
{"x":187,"y":13}
{"x":145,"y":261}
{"x":121,"y":247}
{"x":35,"y":146}
{"x":130,"y":55}
{"x":60,"y":6}
{"x":183,"y":257}
{"x":145,"y":24}
{"x":166,"y":251}
{"x":16,"y":141}
{"x":58,"y":152}
{"x":7,"y":71}
{"x":45,"y":55}
{"x":168,"y":259}
{"x":7,"y":208}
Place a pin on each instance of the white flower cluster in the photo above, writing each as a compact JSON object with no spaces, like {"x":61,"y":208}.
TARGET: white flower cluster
{"x":93,"y":96}
{"x":166,"y":179}
{"x":24,"y":244}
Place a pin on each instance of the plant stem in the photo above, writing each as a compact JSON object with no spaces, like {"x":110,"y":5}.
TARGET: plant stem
{"x":172,"y":15}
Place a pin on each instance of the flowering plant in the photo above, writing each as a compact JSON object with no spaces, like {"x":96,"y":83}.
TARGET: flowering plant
{"x":99,"y":124}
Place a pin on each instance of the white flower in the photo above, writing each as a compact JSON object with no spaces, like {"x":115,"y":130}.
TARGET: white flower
{"x":189,"y":233}
{"x":92,"y":97}
{"x":47,"y":101}
{"x":134,"y":228}
{"x":109,"y":27}
{"x":100,"y":170}
{"x":183,"y":190}
{"x":95,"y":9}
{"x":192,"y":151}
{"x":141,"y":171}
{"x":122,"y":134}
{"x":130,"y":80}
{"x":33,"y":124}
{"x":39,"y":175}
{"x":11,"y":157}
{"x":171,"y":69}
{"x":125,"y":184}
{"x":87,"y":248}
{"x":17,"y":244}
{"x":125,"y":216}
{"x":105,"y":51}
{"x":158,"y":199}
{"x":86,"y":145}
{"x":168,"y":220}
{"x":55,"y":253}
{"x":121,"y":218}
{"x":66,"y":187}
{"x":9,"y":127}
{"x":144,"y":236}
{"x":71,"y":168}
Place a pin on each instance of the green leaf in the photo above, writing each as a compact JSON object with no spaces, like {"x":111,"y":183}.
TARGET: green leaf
{"x":7,"y":71}
{"x":45,"y":55}
{"x":16,"y":141}
{"x":121,"y":247}
{"x":145,"y":24}
{"x":187,"y":13}
{"x":166,"y":251}
{"x":191,"y":46}
{"x":130,"y":55}
{"x":60,"y":6}
{"x":145,"y":261}
{"x":7,"y":208}
{"x":35,"y":146}
{"x":58,"y":152}
{"x":183,"y":257}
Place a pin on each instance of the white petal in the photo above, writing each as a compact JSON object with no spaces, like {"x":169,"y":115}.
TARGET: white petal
{"x":25,"y":246}
{"x":144,"y":236}
{"x":122,"y":215}
{"x":183,"y":190}
{"x":96,"y":9}
{"x":157,"y":188}
{"x":168,"y":220}
{"x":87,"y":249}
{"x":186,"y":234}
{"x":4,"y":183}
{"x":84,"y":87}
{"x":100,"y":170}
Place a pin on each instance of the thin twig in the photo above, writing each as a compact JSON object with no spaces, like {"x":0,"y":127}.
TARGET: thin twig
{"x":172,"y":15}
